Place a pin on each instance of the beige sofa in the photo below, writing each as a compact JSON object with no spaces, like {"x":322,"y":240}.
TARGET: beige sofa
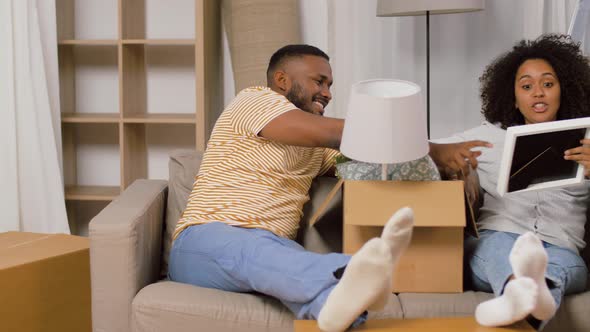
{"x":130,"y":239}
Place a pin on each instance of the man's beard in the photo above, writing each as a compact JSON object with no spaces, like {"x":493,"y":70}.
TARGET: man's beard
{"x":296,"y":96}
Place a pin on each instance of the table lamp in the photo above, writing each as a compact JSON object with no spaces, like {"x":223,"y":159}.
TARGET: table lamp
{"x":389,"y":8}
{"x":385,"y":123}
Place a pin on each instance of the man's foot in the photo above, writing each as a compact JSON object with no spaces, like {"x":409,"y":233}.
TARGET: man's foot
{"x":397,"y":232}
{"x":528,"y":258}
{"x":366,"y":282}
{"x":517,"y":302}
{"x":366,"y":279}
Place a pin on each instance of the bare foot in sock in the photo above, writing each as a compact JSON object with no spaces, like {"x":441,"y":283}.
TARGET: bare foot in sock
{"x":517,"y":302}
{"x":366,"y":278}
{"x":529,"y":259}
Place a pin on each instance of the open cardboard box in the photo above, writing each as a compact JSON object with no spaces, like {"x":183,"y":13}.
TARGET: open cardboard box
{"x":433,"y":263}
{"x":45,"y":282}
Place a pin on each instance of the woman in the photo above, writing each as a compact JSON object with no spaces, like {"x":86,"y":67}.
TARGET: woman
{"x":527,"y":253}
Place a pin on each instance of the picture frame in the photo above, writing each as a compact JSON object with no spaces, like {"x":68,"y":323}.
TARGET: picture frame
{"x":533,"y":156}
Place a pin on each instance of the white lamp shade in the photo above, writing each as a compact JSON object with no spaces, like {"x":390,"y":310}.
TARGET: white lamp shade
{"x":419,"y":7}
{"x":385,"y":122}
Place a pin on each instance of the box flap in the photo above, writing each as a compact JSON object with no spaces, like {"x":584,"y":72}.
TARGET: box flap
{"x":435,"y":203}
{"x":18,"y":248}
{"x":322,"y":209}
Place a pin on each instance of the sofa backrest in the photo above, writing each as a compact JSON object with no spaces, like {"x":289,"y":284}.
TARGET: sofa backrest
{"x":325,"y":236}
{"x":183,"y":166}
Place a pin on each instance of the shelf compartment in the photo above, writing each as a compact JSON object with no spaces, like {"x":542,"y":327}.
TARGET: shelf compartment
{"x":87,"y":20}
{"x":161,"y":140}
{"x":133,"y":153}
{"x":158,"y":79}
{"x":89,"y":78}
{"x":170,"y":79}
{"x":91,"y":154}
{"x":90,"y":118}
{"x":152,"y":118}
{"x":81,"y":212}
{"x":91,"y":193}
{"x":146,"y":19}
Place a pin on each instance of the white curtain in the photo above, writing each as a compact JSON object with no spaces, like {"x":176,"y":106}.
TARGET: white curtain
{"x":363,"y":46}
{"x":31,"y":190}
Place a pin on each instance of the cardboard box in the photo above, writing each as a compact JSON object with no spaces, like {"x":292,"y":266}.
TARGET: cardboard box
{"x":434,"y":260}
{"x":463,"y":324}
{"x":45,"y":282}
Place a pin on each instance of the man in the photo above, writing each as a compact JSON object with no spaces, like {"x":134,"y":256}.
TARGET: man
{"x":237,"y":231}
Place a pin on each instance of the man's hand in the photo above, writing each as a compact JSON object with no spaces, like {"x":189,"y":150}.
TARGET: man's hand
{"x":454,"y":158}
{"x":581,"y":155}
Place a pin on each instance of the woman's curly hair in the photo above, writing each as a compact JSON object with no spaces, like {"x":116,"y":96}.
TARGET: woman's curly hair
{"x":562,"y":53}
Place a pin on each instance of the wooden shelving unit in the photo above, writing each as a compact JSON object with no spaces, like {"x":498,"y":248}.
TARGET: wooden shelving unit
{"x":130,"y":52}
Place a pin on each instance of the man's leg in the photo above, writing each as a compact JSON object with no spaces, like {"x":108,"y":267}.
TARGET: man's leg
{"x":236,"y":259}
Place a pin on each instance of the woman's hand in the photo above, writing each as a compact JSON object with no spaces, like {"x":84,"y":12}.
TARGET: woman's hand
{"x":454,"y":158}
{"x":581,"y":155}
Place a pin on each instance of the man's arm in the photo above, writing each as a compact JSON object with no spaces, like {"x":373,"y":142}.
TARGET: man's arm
{"x":300,"y":128}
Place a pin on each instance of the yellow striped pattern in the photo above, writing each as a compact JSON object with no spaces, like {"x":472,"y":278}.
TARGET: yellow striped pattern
{"x":249,"y":181}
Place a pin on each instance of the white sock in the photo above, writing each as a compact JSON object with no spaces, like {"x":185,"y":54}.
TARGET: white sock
{"x":397,"y":233}
{"x":366,"y":278}
{"x":517,"y":302}
{"x":529,"y":259}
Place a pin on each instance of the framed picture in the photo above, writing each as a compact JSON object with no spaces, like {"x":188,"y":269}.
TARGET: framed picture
{"x":533,"y":156}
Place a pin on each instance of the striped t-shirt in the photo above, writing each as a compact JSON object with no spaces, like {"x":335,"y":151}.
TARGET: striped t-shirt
{"x":248,"y":181}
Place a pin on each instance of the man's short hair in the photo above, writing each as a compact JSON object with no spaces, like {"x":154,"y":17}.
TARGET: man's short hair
{"x":290,"y":51}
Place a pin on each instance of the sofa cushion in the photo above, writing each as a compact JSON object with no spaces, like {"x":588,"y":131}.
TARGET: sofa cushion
{"x":183,"y":166}
{"x":572,"y":315}
{"x":172,"y":306}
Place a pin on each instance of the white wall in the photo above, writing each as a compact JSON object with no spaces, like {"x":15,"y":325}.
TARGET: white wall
{"x":171,"y":83}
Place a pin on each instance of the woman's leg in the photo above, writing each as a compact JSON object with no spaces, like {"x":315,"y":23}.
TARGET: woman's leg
{"x":566,"y":272}
{"x":486,"y":260}
{"x":491,"y":269}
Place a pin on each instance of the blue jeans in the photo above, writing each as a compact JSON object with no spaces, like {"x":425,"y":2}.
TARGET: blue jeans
{"x":236,"y":259}
{"x":488,"y":267}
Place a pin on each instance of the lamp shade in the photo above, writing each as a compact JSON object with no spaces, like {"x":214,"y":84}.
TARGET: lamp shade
{"x":385,"y":122}
{"x":420,"y":7}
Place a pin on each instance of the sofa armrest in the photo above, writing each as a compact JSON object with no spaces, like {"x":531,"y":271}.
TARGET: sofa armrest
{"x":125,"y":251}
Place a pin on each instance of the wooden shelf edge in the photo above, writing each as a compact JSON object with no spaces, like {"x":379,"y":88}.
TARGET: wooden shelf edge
{"x":70,"y":117}
{"x":171,"y":118}
{"x":176,"y":42}
{"x":91,"y":193}
{"x":89,"y":42}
